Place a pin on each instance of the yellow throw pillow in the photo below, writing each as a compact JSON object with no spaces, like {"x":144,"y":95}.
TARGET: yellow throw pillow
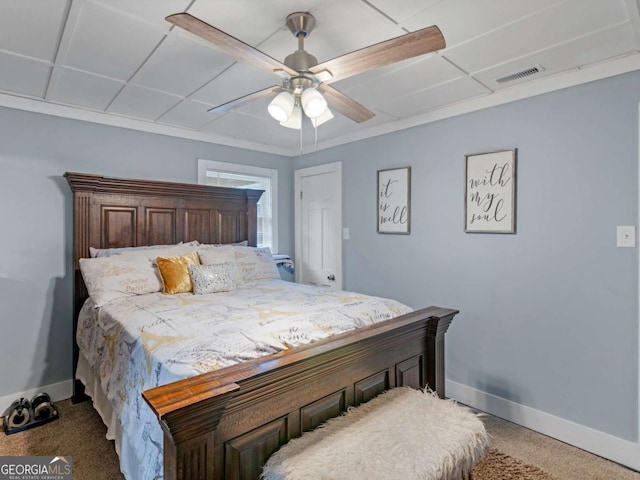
{"x":175,"y":272}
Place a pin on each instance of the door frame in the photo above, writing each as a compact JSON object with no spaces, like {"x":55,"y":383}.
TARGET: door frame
{"x":335,"y":167}
{"x":638,"y":319}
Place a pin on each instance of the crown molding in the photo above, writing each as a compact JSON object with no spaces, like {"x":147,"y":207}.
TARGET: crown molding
{"x":75,"y":113}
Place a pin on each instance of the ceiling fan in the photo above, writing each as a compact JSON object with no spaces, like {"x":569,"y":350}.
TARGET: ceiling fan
{"x":305,"y":83}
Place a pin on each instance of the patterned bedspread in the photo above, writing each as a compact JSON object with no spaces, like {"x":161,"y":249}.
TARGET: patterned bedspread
{"x":139,"y":342}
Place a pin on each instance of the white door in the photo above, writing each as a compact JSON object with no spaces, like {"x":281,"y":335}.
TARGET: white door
{"x":318,"y":224}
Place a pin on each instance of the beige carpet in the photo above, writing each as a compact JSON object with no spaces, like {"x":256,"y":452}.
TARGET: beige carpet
{"x":561,"y":460}
{"x":500,"y":466}
{"x":517,"y":453}
{"x":79,"y":432}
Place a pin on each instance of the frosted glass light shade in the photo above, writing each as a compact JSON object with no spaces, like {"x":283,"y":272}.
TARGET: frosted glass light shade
{"x":325,"y":117}
{"x":295,"y":119}
{"x":313,"y":103}
{"x":281,"y":106}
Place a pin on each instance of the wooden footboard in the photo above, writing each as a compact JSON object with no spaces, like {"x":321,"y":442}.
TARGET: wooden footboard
{"x":225,"y":424}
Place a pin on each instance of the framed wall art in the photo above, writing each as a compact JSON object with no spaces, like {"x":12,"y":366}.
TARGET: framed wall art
{"x":394,"y":200}
{"x":490,"y":192}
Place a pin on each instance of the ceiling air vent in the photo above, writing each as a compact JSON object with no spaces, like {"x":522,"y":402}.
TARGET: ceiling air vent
{"x":521,"y":74}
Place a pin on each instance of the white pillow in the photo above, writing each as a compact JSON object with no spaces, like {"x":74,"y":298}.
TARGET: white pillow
{"x":217,"y":254}
{"x":212,"y":255}
{"x":129,"y":273}
{"x":243,"y":243}
{"x":255,"y":263}
{"x":107,"y":252}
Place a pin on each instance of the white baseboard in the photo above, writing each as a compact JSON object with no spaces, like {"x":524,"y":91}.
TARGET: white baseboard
{"x":56,"y":391}
{"x":600,"y":443}
{"x":603,"y":444}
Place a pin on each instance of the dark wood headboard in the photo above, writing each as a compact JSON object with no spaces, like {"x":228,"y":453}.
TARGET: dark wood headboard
{"x":114,"y":212}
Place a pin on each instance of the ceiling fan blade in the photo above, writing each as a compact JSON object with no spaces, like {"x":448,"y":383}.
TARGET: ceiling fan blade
{"x":411,"y":45}
{"x":228,"y":44}
{"x":238,"y":102}
{"x":347,"y":106}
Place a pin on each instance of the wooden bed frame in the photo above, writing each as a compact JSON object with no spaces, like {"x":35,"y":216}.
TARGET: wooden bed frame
{"x":225,"y":424}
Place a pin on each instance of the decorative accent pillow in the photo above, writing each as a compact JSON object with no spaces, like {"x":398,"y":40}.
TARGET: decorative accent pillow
{"x":214,"y":278}
{"x":255,"y":264}
{"x":130,"y":273}
{"x":175,"y":272}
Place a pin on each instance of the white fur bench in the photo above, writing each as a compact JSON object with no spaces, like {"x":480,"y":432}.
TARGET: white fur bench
{"x":403,"y":434}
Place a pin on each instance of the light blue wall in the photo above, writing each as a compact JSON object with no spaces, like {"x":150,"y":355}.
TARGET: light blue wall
{"x":549,"y":316}
{"x":36,"y":215}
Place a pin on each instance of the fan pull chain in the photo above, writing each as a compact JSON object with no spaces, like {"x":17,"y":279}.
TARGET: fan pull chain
{"x":301,"y":138}
{"x":315,"y":143}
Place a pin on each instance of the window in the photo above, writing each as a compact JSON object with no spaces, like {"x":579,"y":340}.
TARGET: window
{"x":222,"y":174}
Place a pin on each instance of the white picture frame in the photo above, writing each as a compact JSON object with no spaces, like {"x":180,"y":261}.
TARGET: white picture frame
{"x":394,"y":201}
{"x":490,"y":192}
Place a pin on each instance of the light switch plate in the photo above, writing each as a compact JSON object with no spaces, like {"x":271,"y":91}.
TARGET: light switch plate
{"x":626,"y":236}
{"x":345,"y":233}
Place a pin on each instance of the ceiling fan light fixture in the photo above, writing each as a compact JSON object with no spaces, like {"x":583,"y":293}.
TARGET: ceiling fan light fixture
{"x":325,"y":117}
{"x":281,"y":107}
{"x":295,"y":119}
{"x":313,"y":103}
{"x":301,"y":72}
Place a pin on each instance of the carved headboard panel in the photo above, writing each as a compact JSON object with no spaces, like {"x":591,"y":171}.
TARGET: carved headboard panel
{"x":113,"y":212}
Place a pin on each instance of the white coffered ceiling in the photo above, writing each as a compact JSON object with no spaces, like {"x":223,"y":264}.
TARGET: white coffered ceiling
{"x":119,"y":62}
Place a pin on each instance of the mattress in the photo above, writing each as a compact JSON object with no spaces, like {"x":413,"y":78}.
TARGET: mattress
{"x":136,"y":343}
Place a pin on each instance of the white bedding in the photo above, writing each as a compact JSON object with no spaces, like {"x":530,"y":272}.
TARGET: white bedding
{"x":135,"y":343}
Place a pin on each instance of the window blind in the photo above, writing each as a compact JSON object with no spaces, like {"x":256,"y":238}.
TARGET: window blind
{"x":220,"y":178}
